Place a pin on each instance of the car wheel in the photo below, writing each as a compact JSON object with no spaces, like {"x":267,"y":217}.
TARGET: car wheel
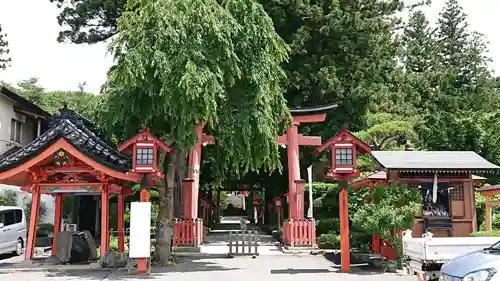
{"x":19,"y":247}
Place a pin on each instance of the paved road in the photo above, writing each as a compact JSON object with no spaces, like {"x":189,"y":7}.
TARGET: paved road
{"x":284,"y":267}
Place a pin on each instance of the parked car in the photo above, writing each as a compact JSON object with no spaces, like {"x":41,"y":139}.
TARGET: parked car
{"x":481,"y":265}
{"x":13,"y":230}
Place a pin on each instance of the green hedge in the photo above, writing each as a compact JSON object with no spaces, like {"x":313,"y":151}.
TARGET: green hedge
{"x":491,"y":233}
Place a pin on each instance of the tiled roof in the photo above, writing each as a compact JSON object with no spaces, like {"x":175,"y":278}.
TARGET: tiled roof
{"x":433,"y":160}
{"x":72,"y":127}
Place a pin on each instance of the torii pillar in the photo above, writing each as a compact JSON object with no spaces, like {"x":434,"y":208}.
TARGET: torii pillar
{"x":192,"y":183}
{"x":292,"y":139}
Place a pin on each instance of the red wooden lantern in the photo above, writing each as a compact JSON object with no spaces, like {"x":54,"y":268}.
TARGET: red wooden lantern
{"x":343,"y":148}
{"x":277,"y":201}
{"x":145,"y":148}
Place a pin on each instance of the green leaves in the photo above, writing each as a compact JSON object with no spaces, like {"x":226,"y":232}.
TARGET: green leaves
{"x":394,"y":209}
{"x":180,"y":62}
{"x":4,"y":50}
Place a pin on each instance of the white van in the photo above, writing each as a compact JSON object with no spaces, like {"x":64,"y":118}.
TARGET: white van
{"x":13,"y":230}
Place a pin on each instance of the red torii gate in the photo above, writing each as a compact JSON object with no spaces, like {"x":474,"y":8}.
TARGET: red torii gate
{"x":301,"y":233}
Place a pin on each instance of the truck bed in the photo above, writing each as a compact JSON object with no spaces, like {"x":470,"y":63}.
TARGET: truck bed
{"x":441,"y":249}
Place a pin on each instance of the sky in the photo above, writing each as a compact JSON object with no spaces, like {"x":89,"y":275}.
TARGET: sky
{"x":32,"y":29}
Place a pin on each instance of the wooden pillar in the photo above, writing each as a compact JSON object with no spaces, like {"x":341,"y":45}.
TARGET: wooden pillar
{"x":292,"y":135}
{"x":487,"y":213}
{"x":104,"y":219}
{"x":121,"y":222}
{"x":344,"y":228}
{"x":35,"y":206}
{"x":299,"y":187}
{"x":375,"y":238}
{"x":189,"y":208}
{"x":57,"y":221}
{"x":194,"y":161}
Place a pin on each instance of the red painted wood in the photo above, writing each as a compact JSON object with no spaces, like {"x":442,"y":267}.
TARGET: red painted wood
{"x":144,"y":133}
{"x":344,"y":231}
{"x":299,"y":185}
{"x":104,"y":220}
{"x":188,"y":199}
{"x":35,"y":206}
{"x":293,"y":169}
{"x":57,"y":221}
{"x":309,"y":140}
{"x":313,"y":118}
{"x":194,"y":162}
{"x":121,"y":222}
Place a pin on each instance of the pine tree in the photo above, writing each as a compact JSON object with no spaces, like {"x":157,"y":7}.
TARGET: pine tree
{"x":419,"y":45}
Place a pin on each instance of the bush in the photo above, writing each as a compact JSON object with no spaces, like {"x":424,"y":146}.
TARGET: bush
{"x":491,"y":233}
{"x":327,"y":225}
{"x":329,"y":241}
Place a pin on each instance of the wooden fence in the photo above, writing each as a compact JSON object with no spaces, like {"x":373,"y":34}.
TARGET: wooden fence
{"x":243,"y":243}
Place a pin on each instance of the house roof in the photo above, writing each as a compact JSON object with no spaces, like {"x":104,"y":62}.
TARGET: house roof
{"x":433,"y":160}
{"x":24,"y":103}
{"x":71,"y":127}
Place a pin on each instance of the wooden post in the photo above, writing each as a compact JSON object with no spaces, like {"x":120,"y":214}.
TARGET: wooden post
{"x":121,"y":222}
{"x":292,"y":135}
{"x":35,"y":206}
{"x":104,"y":219}
{"x":487,"y":213}
{"x":189,"y":208}
{"x":57,"y":221}
{"x":344,"y":227}
{"x":194,"y":162}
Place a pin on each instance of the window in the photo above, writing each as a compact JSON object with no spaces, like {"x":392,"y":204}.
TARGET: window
{"x":9,"y":218}
{"x":144,"y":156}
{"x":15,"y":130}
{"x":457,"y":192}
{"x":19,"y":216}
{"x":343,"y":156}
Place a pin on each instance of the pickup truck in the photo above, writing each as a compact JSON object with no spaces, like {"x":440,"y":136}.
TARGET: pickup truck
{"x":425,"y":256}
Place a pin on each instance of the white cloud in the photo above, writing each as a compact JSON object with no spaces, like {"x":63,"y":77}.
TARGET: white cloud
{"x":32,"y":31}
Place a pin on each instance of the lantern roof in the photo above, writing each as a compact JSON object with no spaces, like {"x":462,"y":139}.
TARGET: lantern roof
{"x":345,"y":136}
{"x":433,"y":161}
{"x":143,"y":135}
{"x":73,"y":128}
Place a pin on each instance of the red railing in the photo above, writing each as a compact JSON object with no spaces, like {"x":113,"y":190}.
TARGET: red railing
{"x":188,"y":232}
{"x":299,"y":233}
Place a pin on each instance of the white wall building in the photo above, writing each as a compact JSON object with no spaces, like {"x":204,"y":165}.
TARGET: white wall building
{"x":20,"y":123}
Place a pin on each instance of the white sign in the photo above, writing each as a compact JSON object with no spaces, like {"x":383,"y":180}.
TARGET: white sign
{"x":309,"y":176}
{"x":140,"y":230}
{"x":278,"y":203}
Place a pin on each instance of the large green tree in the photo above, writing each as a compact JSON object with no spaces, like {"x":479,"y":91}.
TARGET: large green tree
{"x":180,"y":62}
{"x":4,"y":50}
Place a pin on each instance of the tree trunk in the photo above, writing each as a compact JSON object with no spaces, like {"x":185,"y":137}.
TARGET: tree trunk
{"x":165,"y":223}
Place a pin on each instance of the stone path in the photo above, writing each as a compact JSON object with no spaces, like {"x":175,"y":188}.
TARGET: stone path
{"x":285,"y":267}
{"x":216,"y":241}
